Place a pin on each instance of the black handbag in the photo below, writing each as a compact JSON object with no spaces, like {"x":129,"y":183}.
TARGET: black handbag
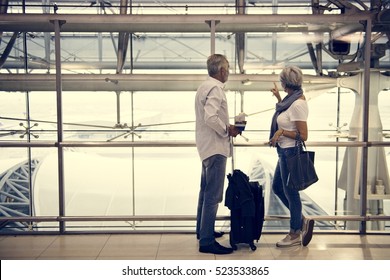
{"x":302,"y":172}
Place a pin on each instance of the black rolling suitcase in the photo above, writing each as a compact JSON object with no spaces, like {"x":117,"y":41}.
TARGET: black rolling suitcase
{"x":246,"y":203}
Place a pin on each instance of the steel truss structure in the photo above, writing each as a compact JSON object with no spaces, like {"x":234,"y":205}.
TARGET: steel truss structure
{"x":15,"y":195}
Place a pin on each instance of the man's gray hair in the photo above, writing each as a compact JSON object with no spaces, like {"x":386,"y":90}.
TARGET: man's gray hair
{"x":215,"y":62}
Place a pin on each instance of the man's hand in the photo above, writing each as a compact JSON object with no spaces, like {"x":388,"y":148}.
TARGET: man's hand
{"x":233,"y":131}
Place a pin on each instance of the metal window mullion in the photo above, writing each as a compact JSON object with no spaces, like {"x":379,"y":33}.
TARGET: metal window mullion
{"x":61,"y":187}
{"x":28,"y":122}
{"x":366,"y":95}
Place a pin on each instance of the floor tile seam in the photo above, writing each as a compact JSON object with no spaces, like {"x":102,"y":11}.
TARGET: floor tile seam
{"x":45,"y":253}
{"x":158,"y":247}
{"x":103,"y":246}
{"x":47,"y":247}
{"x":271,"y":246}
{"x":335,"y":253}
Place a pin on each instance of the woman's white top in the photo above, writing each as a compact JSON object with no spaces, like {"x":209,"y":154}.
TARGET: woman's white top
{"x":298,"y":111}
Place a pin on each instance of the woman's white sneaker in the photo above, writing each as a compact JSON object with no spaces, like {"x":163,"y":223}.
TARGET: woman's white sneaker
{"x":289,"y":240}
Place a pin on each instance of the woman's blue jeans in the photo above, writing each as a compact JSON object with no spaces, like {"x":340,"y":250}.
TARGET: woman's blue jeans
{"x":290,"y":197}
{"x":210,"y":195}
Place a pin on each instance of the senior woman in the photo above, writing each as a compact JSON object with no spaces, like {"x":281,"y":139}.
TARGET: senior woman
{"x":288,"y":124}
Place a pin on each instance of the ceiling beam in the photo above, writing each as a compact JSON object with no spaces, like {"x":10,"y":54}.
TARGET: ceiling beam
{"x":145,"y":82}
{"x":178,"y":23}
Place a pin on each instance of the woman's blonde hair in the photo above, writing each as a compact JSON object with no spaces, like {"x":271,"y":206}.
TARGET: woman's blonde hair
{"x":291,"y":77}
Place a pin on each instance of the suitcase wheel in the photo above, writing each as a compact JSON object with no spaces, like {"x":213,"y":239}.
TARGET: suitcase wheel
{"x":253,"y":247}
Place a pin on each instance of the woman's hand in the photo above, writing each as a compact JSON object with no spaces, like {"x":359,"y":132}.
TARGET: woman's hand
{"x":276,"y":93}
{"x":275,"y":138}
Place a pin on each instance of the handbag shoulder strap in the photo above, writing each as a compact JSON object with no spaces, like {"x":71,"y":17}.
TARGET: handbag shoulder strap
{"x":299,"y":142}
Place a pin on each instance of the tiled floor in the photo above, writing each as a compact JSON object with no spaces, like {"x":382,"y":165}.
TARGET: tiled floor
{"x":185,"y":247}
